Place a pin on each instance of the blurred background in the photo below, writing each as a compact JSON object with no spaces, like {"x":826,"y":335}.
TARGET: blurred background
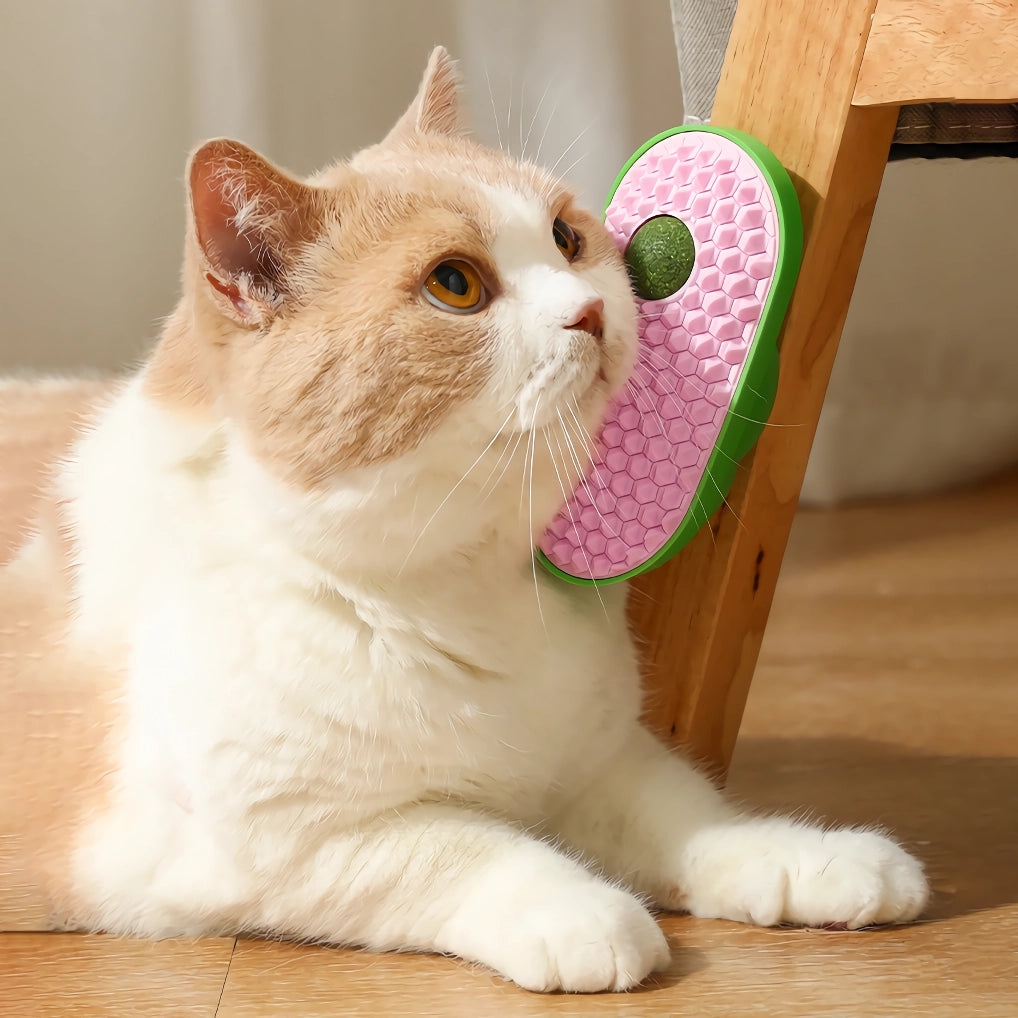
{"x":104,"y":100}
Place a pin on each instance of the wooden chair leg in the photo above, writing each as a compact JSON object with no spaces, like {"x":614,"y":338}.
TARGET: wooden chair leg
{"x":789,"y":75}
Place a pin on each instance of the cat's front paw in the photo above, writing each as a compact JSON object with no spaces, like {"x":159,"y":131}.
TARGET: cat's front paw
{"x":584,"y":941}
{"x":581,"y":937}
{"x":776,"y":871}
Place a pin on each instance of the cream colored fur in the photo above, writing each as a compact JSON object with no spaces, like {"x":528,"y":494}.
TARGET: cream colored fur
{"x":349,"y":707}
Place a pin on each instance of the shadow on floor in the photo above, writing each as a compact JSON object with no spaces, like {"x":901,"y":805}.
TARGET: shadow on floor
{"x":956,"y":813}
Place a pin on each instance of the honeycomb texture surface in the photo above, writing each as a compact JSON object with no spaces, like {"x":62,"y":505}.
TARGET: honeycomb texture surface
{"x":652,"y":453}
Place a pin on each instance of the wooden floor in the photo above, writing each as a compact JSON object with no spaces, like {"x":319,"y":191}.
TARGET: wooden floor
{"x":887,"y":692}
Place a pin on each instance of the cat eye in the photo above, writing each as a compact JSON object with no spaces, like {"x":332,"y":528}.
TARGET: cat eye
{"x":455,"y":286}
{"x":567,"y":238}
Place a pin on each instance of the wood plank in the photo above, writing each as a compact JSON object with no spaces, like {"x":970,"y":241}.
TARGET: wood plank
{"x":320,"y":982}
{"x":702,"y":615}
{"x":962,"y":966}
{"x":72,"y":975}
{"x":940,"y":51}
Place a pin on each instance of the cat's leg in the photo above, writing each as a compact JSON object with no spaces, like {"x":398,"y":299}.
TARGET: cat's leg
{"x":652,"y":820}
{"x":446,"y":879}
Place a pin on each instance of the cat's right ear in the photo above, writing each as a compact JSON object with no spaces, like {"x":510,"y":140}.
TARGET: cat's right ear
{"x":251,"y":223}
{"x":436,"y":107}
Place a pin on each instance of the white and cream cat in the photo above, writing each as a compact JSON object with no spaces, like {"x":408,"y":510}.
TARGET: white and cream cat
{"x":289,"y":667}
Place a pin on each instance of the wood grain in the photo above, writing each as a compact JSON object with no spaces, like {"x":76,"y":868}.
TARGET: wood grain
{"x":284,"y":979}
{"x":53,"y":976}
{"x":788,"y":79}
{"x":718,"y":969}
{"x":940,"y":51}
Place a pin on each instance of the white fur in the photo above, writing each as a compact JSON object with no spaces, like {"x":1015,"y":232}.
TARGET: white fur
{"x":365,"y":717}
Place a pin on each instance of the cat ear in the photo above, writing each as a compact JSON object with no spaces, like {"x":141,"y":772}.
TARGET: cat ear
{"x":250,"y":222}
{"x":436,"y":107}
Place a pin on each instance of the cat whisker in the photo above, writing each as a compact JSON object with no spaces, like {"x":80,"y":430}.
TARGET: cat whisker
{"x":569,"y":169}
{"x":706,"y":520}
{"x":508,"y":449}
{"x":738,"y":519}
{"x":572,"y":519}
{"x":586,"y":439}
{"x":533,"y":557}
{"x":526,"y":466}
{"x":523,"y":99}
{"x":494,"y":114}
{"x":573,"y":456}
{"x":533,"y":119}
{"x":763,"y":424}
{"x":583,"y":480}
{"x":649,"y":352}
{"x":453,"y":490}
{"x":668,"y":390}
{"x":576,"y":433}
{"x":707,"y":471}
{"x":569,"y":147}
{"x":486,"y":491}
{"x":662,"y":379}
{"x":739,"y":464}
{"x":544,"y":133}
{"x":666,"y":366}
{"x":647,"y":393}
{"x":509,"y":113}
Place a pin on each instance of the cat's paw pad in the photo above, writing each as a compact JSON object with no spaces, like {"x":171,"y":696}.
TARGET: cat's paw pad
{"x":584,"y":940}
{"x":780,"y":872}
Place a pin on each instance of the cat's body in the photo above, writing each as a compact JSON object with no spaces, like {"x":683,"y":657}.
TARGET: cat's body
{"x":338,"y":701}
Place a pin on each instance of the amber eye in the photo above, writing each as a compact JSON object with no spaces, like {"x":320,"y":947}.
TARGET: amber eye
{"x":455,"y":286}
{"x":567,"y":238}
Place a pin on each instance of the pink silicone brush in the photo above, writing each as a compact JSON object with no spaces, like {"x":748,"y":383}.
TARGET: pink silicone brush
{"x":710,"y":226}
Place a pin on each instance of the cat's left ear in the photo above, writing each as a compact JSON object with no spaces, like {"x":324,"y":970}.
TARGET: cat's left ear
{"x":436,"y":107}
{"x":252,"y":223}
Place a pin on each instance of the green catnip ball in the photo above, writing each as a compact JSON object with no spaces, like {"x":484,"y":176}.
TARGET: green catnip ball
{"x":660,"y":257}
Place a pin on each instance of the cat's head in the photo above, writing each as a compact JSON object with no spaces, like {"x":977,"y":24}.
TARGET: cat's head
{"x":418,"y":308}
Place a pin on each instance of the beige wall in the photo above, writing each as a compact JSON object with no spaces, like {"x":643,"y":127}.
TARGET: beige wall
{"x":93,"y":128}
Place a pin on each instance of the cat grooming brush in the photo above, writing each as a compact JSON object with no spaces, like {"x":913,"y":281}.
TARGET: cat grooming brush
{"x":709,"y":224}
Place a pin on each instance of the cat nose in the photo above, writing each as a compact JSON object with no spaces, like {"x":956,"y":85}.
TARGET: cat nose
{"x":590,"y":318}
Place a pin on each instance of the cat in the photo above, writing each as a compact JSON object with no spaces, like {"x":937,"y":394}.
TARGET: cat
{"x":291,"y":669}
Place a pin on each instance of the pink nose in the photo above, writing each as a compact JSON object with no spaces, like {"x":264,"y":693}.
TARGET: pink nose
{"x":590,"y":318}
